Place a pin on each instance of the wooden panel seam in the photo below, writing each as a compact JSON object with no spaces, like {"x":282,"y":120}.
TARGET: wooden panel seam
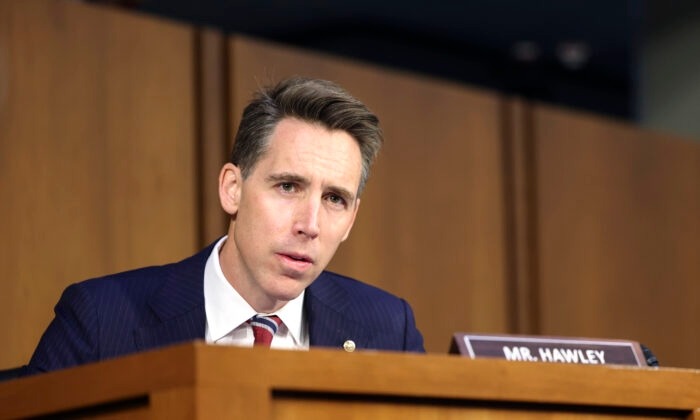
{"x":520,"y":201}
{"x":211,"y":86}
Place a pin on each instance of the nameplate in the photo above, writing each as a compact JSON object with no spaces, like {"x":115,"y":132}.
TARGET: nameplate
{"x":525,"y":348}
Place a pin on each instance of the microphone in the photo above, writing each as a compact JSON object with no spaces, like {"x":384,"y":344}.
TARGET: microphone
{"x":650,"y":358}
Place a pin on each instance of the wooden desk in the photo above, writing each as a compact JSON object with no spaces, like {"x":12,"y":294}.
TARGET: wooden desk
{"x":195,"y":380}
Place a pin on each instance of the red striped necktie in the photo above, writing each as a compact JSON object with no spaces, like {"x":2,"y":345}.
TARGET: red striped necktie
{"x":264,"y":328}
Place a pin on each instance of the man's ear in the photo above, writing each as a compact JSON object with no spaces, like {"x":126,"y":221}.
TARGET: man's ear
{"x":352,"y":222}
{"x":230,"y":182}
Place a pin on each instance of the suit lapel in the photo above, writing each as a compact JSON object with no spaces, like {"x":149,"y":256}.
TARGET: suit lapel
{"x":325,"y":303}
{"x":177,"y":306}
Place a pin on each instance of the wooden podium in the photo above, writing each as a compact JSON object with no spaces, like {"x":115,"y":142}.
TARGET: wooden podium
{"x":195,"y":380}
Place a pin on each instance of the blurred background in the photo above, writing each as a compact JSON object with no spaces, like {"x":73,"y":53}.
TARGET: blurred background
{"x":632,"y":59}
{"x":541,"y":174}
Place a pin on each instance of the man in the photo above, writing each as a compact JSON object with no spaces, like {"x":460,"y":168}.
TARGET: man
{"x":292,"y":188}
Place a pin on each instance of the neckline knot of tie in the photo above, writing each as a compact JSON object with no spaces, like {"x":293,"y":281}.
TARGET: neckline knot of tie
{"x":264,"y":328}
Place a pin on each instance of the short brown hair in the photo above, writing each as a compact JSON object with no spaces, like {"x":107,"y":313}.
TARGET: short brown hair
{"x":311,"y":100}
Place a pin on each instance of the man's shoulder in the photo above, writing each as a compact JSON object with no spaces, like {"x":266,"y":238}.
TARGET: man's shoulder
{"x":329,"y":283}
{"x":143,"y":277}
{"x":144,"y":280}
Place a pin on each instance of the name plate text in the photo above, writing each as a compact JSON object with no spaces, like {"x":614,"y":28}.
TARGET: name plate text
{"x":549,"y":349}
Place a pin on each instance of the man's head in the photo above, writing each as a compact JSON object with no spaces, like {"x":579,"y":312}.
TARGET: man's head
{"x":310,"y":100}
{"x":301,"y":158}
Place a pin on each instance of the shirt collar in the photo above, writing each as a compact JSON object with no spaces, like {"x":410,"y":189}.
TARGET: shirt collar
{"x":226,"y":309}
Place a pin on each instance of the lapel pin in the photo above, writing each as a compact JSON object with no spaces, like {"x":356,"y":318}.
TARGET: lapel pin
{"x":349,"y":346}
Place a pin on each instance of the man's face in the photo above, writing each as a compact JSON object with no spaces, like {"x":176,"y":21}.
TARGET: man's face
{"x":291,"y":213}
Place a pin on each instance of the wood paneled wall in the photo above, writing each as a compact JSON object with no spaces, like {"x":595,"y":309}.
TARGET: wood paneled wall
{"x":618,"y":232}
{"x":431,"y":222}
{"x":487,"y":214}
{"x":97,"y":162}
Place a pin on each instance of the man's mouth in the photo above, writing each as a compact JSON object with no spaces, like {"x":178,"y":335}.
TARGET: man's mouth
{"x":295,"y":265}
{"x":298,"y":257}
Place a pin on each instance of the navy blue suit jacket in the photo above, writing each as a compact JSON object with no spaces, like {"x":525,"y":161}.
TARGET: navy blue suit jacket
{"x":156,"y":306}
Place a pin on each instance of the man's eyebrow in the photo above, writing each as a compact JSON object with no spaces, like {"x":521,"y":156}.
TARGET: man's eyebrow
{"x":287,"y":177}
{"x":344,"y":193}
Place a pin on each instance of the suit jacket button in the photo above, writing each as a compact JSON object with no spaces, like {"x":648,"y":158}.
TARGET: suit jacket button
{"x":349,"y":346}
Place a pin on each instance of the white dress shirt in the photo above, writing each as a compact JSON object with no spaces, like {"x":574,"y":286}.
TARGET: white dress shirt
{"x":227,"y":312}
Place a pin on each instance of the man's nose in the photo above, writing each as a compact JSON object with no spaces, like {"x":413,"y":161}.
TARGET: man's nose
{"x":307,"y":218}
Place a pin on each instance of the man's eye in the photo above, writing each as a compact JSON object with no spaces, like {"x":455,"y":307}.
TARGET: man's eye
{"x":336,"y":199}
{"x":287,"y":187}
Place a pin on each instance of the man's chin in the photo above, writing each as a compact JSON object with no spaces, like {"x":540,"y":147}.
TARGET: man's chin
{"x":288,"y":288}
{"x":300,"y":274}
